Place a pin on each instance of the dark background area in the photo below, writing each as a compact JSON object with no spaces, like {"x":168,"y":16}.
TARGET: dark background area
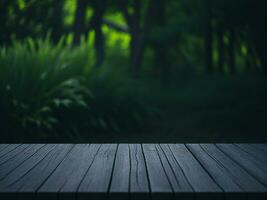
{"x":133,"y":71}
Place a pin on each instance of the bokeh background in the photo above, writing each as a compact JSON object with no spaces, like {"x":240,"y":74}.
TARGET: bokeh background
{"x":133,"y":71}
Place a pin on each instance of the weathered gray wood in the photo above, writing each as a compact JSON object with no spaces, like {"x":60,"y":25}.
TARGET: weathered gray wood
{"x":245,"y":181}
{"x":96,"y":182}
{"x":120,"y":184}
{"x":3,"y":146}
{"x":133,"y":171}
{"x":23,"y":169}
{"x":199,"y":179}
{"x":233,"y":179}
{"x":196,"y":175}
{"x":180,"y":185}
{"x":245,"y":160}
{"x":256,"y":153}
{"x":161,"y":187}
{"x":129,"y":175}
{"x":9,"y":166}
{"x":139,"y":186}
{"x":32,"y":180}
{"x":13,"y":153}
{"x":262,"y":147}
{"x":8,"y":149}
{"x":66,"y":178}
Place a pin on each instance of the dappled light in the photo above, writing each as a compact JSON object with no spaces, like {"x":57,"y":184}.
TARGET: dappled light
{"x":133,"y":70}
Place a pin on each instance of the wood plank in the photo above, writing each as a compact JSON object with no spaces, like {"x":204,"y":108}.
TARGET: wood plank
{"x":139,"y":185}
{"x":233,"y":179}
{"x":3,"y":146}
{"x":96,"y":182}
{"x":196,"y":175}
{"x":133,"y":171}
{"x":6,"y":184}
{"x":180,"y":184}
{"x":244,"y":180}
{"x":32,"y":180}
{"x":129,"y":178}
{"x":246,"y":161}
{"x":138,"y":175}
{"x":199,"y":179}
{"x":9,"y":166}
{"x":218,"y":172}
{"x":13,"y":153}
{"x":86,"y":160}
{"x":256,"y":153}
{"x":8,"y":149}
{"x":120,"y":184}
{"x":262,"y":147}
{"x":161,"y":187}
{"x":68,"y":175}
{"x":183,"y":183}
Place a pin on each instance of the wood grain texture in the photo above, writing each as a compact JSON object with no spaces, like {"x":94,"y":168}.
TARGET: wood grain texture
{"x":12,"y":178}
{"x":133,"y":171}
{"x":233,"y":179}
{"x":198,"y":177}
{"x":178,"y":180}
{"x":12,"y":162}
{"x":9,"y":149}
{"x":262,"y":147}
{"x":67,"y":177}
{"x":120,"y":180}
{"x":256,"y":153}
{"x":3,"y":146}
{"x":195,"y":173}
{"x":159,"y":182}
{"x":96,"y":182}
{"x":13,"y":152}
{"x":139,"y":185}
{"x":249,"y":163}
{"x":33,"y":179}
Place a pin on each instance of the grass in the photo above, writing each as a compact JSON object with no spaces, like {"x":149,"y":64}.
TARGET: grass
{"x":53,"y":94}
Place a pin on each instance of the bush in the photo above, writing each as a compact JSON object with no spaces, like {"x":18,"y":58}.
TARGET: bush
{"x":52,"y":92}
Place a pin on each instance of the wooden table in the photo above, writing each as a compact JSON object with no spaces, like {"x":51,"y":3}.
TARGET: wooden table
{"x":133,"y":171}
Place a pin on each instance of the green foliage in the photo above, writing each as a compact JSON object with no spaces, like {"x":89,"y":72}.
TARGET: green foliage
{"x":52,"y":92}
{"x":67,"y":68}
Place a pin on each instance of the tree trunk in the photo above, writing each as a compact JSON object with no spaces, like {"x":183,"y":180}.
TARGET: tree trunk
{"x":97,"y":21}
{"x":221,"y":49}
{"x":160,"y":46}
{"x":138,"y":33}
{"x":208,"y":38}
{"x":136,"y":44}
{"x":4,"y":34}
{"x":142,"y":39}
{"x":231,"y":50}
{"x":99,"y":45}
{"x":79,"y":23}
{"x":57,"y":23}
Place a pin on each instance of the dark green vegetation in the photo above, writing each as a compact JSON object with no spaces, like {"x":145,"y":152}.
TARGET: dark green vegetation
{"x":152,"y":71}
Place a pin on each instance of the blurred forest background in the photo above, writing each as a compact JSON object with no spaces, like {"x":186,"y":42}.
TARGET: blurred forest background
{"x":133,"y":70}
